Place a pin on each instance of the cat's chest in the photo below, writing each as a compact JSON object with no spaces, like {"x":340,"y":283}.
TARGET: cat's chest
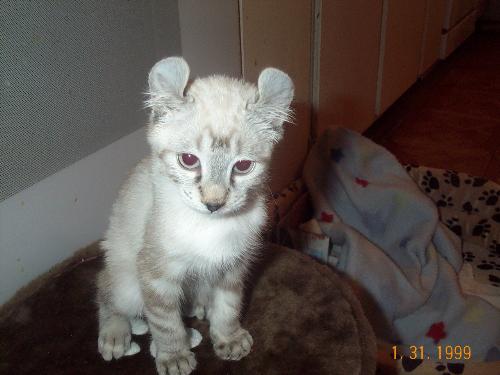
{"x":211,"y":239}
{"x":205,"y":234}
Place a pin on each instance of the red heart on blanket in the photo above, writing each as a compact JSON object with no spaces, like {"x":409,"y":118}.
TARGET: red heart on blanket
{"x":436,"y":332}
{"x":326,"y":217}
{"x":361,"y":182}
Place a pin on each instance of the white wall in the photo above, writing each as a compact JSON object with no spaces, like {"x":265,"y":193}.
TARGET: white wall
{"x":210,"y":36}
{"x":50,"y":220}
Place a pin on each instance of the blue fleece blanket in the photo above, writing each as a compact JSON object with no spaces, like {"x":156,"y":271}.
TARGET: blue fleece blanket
{"x":388,"y":238}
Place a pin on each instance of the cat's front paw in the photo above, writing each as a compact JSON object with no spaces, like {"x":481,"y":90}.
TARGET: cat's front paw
{"x":234,"y":347}
{"x":179,"y":363}
{"x":114,"y":338}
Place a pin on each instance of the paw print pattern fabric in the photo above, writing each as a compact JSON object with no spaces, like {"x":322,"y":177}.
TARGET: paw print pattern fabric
{"x":470,"y":207}
{"x":387,"y":235}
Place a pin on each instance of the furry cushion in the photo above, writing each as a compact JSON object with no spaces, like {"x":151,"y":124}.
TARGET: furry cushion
{"x":302,"y":315}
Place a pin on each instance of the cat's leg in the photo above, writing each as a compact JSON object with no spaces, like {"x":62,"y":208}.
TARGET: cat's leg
{"x":114,"y":325}
{"x":230,"y":340}
{"x":162,"y":307}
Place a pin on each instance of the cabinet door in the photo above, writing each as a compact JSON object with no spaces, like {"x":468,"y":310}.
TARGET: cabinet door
{"x":401,"y":41}
{"x":348,"y":62}
{"x":278,"y":33}
{"x":434,"y":16}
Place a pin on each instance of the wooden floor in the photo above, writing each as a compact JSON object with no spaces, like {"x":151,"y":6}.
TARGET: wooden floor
{"x":451,"y":118}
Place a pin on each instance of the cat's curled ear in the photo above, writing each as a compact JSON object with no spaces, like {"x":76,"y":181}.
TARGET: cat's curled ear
{"x":167,"y":80}
{"x":275,"y":94}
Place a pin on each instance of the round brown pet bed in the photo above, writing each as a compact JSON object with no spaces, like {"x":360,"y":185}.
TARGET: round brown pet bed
{"x":303,"y":317}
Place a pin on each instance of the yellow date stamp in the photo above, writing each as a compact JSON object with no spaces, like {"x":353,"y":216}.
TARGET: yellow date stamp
{"x":439,"y":352}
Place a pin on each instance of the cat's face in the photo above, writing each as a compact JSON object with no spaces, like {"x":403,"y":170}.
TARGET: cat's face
{"x":215,"y":142}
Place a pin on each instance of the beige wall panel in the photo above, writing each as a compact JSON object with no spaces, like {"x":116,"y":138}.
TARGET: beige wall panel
{"x":403,"y":23}
{"x":435,"y":13}
{"x":348,"y":63}
{"x":278,"y":33}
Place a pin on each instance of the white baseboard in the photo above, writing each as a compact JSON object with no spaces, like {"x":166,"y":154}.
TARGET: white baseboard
{"x":47,"y":222}
{"x":453,"y":38}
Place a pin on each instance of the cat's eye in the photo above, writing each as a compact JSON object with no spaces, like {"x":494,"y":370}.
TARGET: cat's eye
{"x":188,"y":161}
{"x":243,"y":166}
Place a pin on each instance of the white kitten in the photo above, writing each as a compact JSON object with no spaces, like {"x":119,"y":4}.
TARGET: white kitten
{"x":189,"y":218}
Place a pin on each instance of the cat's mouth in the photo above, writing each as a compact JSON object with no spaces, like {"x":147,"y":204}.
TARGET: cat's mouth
{"x":210,"y":210}
{"x":213,"y":207}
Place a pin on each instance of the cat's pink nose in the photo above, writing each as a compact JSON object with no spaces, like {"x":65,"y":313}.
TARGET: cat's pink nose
{"x":212,"y":207}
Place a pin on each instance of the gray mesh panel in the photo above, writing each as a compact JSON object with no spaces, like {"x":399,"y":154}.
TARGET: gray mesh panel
{"x":72,"y":74}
